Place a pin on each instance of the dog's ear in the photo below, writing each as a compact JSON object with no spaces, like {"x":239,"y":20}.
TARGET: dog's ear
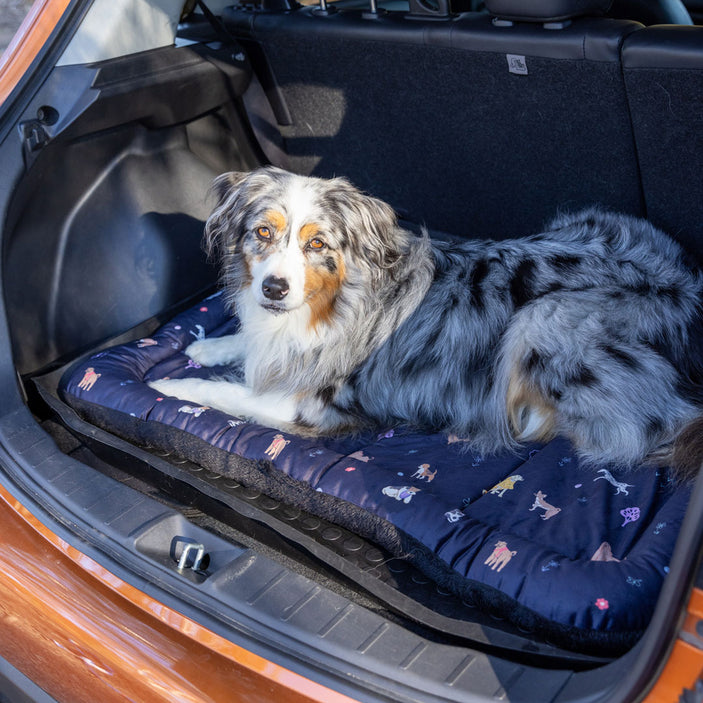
{"x":223,"y":185}
{"x":371,"y":226}
{"x":220,"y":226}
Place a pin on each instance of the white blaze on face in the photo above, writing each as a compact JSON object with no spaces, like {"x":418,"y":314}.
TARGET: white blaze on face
{"x":286,"y":262}
{"x":286,"y":259}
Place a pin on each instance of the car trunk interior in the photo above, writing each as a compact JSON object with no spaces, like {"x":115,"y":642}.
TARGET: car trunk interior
{"x":102,"y":244}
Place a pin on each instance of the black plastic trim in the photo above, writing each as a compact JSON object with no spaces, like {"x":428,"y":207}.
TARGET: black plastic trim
{"x":15,"y":687}
{"x":664,"y":47}
{"x":546,"y":10}
{"x":585,"y":39}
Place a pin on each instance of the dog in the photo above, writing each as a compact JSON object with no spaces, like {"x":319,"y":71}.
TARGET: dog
{"x":589,"y":329}
{"x":541,"y":504}
{"x":500,"y":556}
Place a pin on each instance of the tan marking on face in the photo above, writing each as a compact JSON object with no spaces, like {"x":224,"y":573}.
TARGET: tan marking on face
{"x":523,"y":398}
{"x":276,"y":219}
{"x":308,"y":232}
{"x":321,"y":289}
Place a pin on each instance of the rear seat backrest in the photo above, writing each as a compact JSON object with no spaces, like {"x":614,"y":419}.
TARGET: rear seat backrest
{"x":663,"y":69}
{"x":475,"y":129}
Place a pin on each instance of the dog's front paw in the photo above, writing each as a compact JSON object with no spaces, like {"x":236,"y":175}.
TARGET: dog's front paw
{"x":165,"y":386}
{"x":205,"y":353}
{"x":212,"y":352}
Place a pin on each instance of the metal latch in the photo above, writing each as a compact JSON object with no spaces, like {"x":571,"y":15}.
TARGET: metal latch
{"x":189,"y":554}
{"x":34,"y":133}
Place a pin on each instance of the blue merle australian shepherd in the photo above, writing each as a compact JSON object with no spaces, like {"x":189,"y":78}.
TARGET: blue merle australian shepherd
{"x":589,"y":329}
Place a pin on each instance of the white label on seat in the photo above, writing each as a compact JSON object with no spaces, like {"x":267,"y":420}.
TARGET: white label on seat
{"x":516,"y":64}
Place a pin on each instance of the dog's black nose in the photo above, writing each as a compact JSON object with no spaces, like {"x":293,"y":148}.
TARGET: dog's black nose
{"x":275,"y":288}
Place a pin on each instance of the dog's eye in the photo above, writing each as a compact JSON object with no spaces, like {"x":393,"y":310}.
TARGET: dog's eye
{"x":316,"y":244}
{"x":263,"y":232}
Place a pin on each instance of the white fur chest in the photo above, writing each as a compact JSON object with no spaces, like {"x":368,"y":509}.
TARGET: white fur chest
{"x":273,"y":343}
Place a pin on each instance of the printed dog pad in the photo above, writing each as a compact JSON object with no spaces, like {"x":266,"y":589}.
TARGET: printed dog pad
{"x":577,"y":551}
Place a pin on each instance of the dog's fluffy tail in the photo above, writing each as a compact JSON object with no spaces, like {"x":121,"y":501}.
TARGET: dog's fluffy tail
{"x":687,"y":452}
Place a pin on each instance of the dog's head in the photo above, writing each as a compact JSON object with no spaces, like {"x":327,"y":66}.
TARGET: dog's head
{"x":293,"y":240}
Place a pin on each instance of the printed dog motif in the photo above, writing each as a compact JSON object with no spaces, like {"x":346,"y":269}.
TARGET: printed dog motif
{"x":507,"y":484}
{"x":404,"y":493}
{"x":541,"y":504}
{"x":360,"y":456}
{"x":455,"y":439}
{"x":500,"y":556}
{"x":89,"y":379}
{"x":454,"y":515}
{"x":423,"y":472}
{"x":586,"y":329}
{"x":278,"y":444}
{"x":191,"y":410}
{"x":619,"y":485}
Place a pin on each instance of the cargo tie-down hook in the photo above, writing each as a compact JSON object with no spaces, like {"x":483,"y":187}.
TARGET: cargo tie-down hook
{"x":193,"y":555}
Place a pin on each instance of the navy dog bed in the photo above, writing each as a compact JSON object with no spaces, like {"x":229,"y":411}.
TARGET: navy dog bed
{"x":578,"y":553}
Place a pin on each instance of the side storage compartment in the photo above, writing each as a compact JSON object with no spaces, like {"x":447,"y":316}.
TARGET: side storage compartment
{"x":120,"y":157}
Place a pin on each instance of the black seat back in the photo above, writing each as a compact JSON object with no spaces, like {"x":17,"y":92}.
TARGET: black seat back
{"x":475,"y":127}
{"x":663,"y":69}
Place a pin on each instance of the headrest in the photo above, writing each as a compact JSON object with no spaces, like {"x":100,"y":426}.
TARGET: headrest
{"x":545,"y":10}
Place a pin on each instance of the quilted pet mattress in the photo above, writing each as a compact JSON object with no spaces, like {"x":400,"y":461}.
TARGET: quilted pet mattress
{"x":577,"y":553}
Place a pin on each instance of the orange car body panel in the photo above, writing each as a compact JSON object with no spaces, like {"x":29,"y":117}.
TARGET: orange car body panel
{"x":29,"y":39}
{"x":684,"y":666}
{"x":84,"y":635}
